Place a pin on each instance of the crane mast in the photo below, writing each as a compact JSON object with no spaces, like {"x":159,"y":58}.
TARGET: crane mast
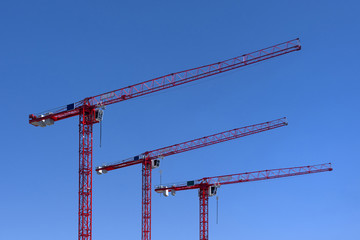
{"x":90,"y":112}
{"x":150,"y":160}
{"x":208,"y":186}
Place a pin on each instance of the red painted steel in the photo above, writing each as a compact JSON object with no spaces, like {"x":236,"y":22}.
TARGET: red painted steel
{"x":205,"y":183}
{"x":147,"y":157}
{"x":86,"y":122}
{"x":204,"y":212}
{"x":146,"y":200}
{"x":247,"y":177}
{"x":137,"y":90}
{"x":197,"y":143}
{"x":171,"y":80}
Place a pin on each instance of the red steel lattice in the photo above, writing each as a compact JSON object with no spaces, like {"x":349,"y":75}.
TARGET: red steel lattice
{"x":204,"y":212}
{"x":204,"y":185}
{"x":197,"y":143}
{"x":146,"y":200}
{"x":246,"y":177}
{"x":147,"y":157}
{"x":86,"y":122}
{"x":170,"y":80}
{"x":84,"y":107}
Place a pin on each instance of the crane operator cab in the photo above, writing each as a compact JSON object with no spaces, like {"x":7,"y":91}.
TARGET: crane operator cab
{"x":212,"y":191}
{"x":155,"y":163}
{"x":99,"y":113}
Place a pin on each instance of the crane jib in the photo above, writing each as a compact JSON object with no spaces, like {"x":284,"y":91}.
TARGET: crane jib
{"x":246,"y":177}
{"x":167,"y":81}
{"x":179,"y":78}
{"x":196,"y":143}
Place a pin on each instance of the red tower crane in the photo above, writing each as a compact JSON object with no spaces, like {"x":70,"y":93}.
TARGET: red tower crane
{"x":90,"y":112}
{"x":208,"y":186}
{"x":150,"y":160}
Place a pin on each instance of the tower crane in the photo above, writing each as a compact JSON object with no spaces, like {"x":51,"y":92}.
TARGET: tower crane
{"x":151,"y":159}
{"x":90,"y":112}
{"x":208,"y":186}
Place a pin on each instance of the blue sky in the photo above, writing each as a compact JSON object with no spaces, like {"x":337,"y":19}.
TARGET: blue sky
{"x":58,"y":52}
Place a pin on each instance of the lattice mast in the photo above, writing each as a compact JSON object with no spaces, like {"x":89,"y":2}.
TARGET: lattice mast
{"x":151,"y":159}
{"x":90,"y":112}
{"x":208,"y":186}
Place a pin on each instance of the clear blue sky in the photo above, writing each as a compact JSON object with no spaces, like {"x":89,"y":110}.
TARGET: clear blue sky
{"x":56,"y":52}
